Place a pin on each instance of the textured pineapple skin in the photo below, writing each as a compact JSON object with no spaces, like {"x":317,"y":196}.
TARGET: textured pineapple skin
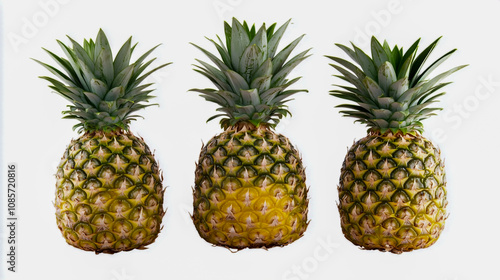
{"x":392,"y":193}
{"x":109,"y":194}
{"x":250,"y":190}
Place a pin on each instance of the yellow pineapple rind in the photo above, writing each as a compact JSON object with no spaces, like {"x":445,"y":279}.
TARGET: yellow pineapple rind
{"x":392,"y":193}
{"x":250,"y":190}
{"x":109,"y":193}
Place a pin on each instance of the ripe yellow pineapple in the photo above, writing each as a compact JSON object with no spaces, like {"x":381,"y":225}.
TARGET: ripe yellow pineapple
{"x":109,"y":193}
{"x":250,"y":189}
{"x":392,"y":188}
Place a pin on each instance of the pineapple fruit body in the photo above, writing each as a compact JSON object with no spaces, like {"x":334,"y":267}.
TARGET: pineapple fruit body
{"x":109,"y":194}
{"x":392,"y":193}
{"x":250,"y":190}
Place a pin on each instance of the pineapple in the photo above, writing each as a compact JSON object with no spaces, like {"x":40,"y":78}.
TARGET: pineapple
{"x":392,"y":187}
{"x":109,"y":193}
{"x":250,"y":189}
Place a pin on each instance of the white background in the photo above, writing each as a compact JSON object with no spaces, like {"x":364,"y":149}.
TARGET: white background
{"x":34,"y":135}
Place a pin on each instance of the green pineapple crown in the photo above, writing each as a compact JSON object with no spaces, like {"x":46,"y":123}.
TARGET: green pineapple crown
{"x":104,"y":92}
{"x":251,"y":75}
{"x":391,"y":90}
